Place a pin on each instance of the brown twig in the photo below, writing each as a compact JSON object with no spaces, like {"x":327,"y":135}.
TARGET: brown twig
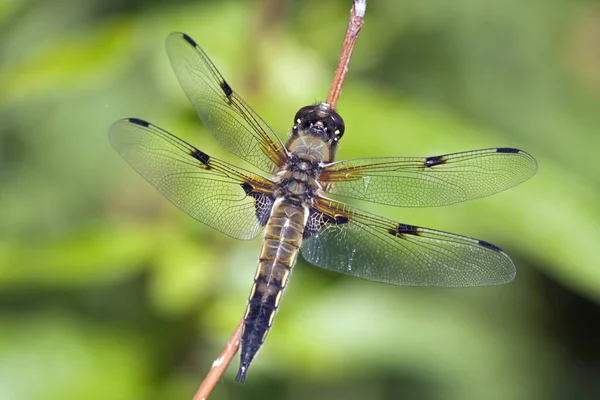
{"x":357,"y":14}
{"x":220,"y":364}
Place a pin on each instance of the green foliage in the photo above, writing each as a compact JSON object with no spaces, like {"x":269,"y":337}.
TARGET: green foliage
{"x":107,"y":291}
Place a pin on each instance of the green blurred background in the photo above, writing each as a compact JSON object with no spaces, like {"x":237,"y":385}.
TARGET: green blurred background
{"x":107,"y":291}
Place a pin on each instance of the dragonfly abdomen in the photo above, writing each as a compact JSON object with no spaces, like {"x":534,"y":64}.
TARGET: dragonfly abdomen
{"x":283,"y":238}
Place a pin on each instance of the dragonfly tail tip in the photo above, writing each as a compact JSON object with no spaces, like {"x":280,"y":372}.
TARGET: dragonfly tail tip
{"x":241,"y":375}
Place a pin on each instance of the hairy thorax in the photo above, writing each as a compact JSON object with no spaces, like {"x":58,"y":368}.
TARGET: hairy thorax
{"x":298,"y":180}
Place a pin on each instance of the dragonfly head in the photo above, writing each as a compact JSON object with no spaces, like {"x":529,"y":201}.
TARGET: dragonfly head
{"x":316,"y":133}
{"x":320,"y":121}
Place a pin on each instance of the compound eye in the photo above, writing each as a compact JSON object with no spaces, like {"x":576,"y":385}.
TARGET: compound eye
{"x":303,"y":113}
{"x":339,"y":126}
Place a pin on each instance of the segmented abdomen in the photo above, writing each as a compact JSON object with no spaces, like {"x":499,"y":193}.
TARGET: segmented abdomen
{"x":282,"y":239}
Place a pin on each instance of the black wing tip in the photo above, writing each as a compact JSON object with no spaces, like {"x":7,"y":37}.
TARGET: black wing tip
{"x":241,"y":375}
{"x":508,"y":150}
{"x":115,"y":128}
{"x":138,"y":121}
{"x":490,"y":246}
{"x":529,"y":157}
{"x":188,"y":39}
{"x":510,"y":272}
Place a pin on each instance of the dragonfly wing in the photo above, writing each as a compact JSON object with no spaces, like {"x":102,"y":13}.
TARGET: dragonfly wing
{"x":343,"y":239}
{"x":223,"y":196}
{"x":429,"y":181}
{"x":231,"y":121}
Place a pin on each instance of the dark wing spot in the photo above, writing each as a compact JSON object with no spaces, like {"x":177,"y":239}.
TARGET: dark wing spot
{"x":507,"y":150}
{"x":435,"y":160}
{"x":201,"y":156}
{"x":404,"y":229}
{"x":340,"y":219}
{"x":490,"y":246}
{"x":263,"y":203}
{"x":138,"y":121}
{"x":247,"y":187}
{"x":189,"y":40}
{"x":226,"y":88}
{"x":408,"y":229}
{"x":318,"y":221}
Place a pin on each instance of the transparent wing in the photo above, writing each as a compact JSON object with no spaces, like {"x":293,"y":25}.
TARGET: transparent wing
{"x":229,"y":199}
{"x":343,"y":239}
{"x":429,"y":181}
{"x":233,"y":123}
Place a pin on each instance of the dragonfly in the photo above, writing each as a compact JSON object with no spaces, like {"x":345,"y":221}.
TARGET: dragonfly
{"x":293,"y":198}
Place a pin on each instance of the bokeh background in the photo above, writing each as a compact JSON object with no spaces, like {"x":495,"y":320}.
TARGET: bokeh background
{"x":107,"y":291}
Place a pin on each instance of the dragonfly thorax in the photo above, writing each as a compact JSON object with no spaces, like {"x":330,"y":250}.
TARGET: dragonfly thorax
{"x":298,"y":180}
{"x":310,"y":148}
